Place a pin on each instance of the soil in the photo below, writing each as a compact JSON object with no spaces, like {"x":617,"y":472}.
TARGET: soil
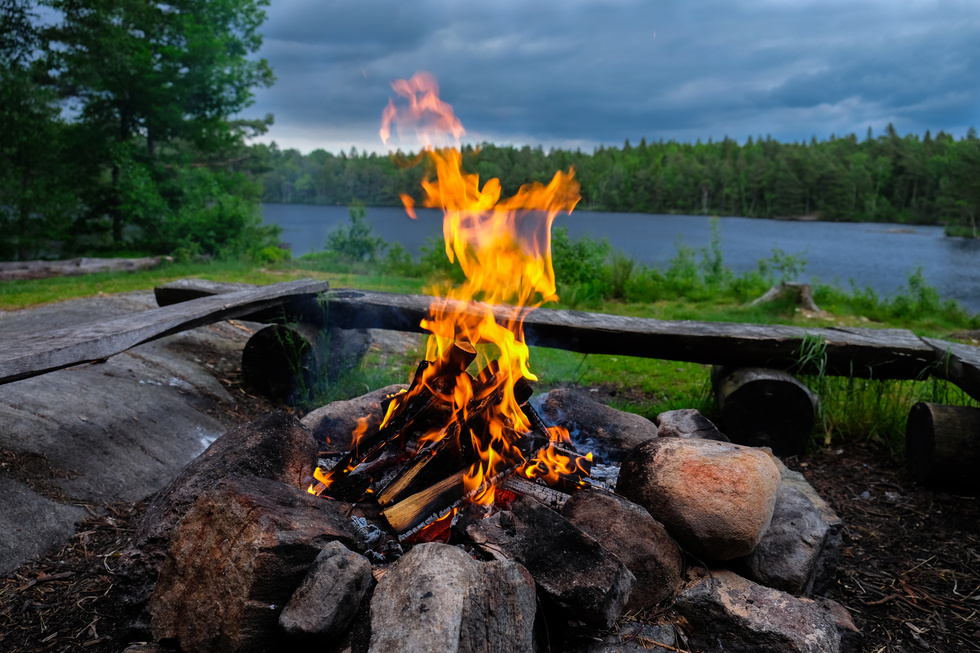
{"x":909,"y":574}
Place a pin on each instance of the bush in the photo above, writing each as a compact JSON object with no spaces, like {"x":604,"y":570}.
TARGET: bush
{"x":354,"y":243}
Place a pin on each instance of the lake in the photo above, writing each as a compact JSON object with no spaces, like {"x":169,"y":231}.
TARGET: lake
{"x":871,"y":254}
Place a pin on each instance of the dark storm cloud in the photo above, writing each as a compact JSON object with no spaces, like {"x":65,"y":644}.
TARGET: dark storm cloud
{"x":590,"y":72}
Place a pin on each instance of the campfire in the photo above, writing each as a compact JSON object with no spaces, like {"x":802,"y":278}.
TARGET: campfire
{"x":708,"y":541}
{"x":465,"y":423}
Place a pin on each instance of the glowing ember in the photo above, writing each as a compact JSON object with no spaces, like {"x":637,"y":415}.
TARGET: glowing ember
{"x":504,"y":248}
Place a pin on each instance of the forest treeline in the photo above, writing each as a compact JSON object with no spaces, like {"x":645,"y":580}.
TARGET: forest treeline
{"x":888,"y":178}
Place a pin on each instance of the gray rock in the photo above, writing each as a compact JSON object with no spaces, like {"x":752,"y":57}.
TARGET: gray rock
{"x":715,"y":498}
{"x":688,"y":423}
{"x":234,"y":561}
{"x":333,"y":425}
{"x":570,"y":567}
{"x":731,"y":614}
{"x":109,"y":432}
{"x":609,"y":433}
{"x":631,"y":534}
{"x":327,"y":600}
{"x":438,"y":598}
{"x":787,"y":555}
{"x":31,"y":524}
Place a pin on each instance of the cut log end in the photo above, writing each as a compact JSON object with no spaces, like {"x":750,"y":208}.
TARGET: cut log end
{"x":279,"y":361}
{"x":942,"y":446}
{"x":765,"y":408}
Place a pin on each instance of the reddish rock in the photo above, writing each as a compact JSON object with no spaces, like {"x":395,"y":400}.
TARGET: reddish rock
{"x":729,"y":613}
{"x":438,"y":598}
{"x":333,"y":425}
{"x":631,"y":534}
{"x":715,"y":498}
{"x":234,"y":561}
{"x":609,"y":433}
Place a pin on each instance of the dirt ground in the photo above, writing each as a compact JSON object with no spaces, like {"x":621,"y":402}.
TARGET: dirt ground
{"x":910,"y":572}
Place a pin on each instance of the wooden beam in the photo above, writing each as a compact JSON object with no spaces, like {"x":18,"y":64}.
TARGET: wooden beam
{"x":957,"y":363}
{"x":874,"y":353}
{"x":52,"y":350}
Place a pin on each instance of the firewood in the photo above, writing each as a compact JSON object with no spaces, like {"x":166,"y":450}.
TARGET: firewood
{"x":410,"y":512}
{"x":942,"y":446}
{"x":542,"y":493}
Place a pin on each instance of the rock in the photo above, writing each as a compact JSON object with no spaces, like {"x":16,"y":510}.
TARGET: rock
{"x":234,"y":561}
{"x":31,"y":524}
{"x":570,"y":568}
{"x":731,"y":614}
{"x":327,"y":600}
{"x":608,"y":433}
{"x":851,"y":638}
{"x":800,"y":550}
{"x":715,"y":498}
{"x":333,"y":425}
{"x":274,"y":447}
{"x":632,"y":637}
{"x":688,"y":423}
{"x":345,"y":349}
{"x":631,"y":534}
{"x":105,"y":433}
{"x":438,"y":598}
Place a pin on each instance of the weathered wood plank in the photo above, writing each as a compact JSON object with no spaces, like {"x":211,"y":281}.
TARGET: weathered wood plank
{"x":875,"y":353}
{"x":305,"y":309}
{"x":53,"y":350}
{"x":957,"y":363}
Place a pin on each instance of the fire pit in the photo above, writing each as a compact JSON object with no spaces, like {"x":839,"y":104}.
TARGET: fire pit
{"x":462,"y":517}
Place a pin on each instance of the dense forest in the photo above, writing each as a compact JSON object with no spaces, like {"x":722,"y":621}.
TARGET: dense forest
{"x":888,"y":178}
{"x":117,"y":128}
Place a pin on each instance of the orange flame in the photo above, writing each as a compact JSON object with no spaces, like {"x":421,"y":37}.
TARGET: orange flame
{"x":504,"y":248}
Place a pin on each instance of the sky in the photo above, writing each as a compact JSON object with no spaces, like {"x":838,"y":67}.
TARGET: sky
{"x":583,"y":73}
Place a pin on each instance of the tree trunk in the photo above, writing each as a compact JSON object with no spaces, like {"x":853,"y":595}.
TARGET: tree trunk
{"x":764,"y":408}
{"x":284,"y":362}
{"x":942,"y":446}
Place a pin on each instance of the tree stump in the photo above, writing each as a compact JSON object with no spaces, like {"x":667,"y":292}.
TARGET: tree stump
{"x":942,"y":446}
{"x":764,"y":408}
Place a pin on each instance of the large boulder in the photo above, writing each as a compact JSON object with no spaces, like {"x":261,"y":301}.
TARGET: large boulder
{"x":715,"y":498}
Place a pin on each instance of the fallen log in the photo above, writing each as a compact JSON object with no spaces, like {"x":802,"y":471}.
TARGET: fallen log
{"x":764,"y":408}
{"x":24,"y":270}
{"x":942,"y":446}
